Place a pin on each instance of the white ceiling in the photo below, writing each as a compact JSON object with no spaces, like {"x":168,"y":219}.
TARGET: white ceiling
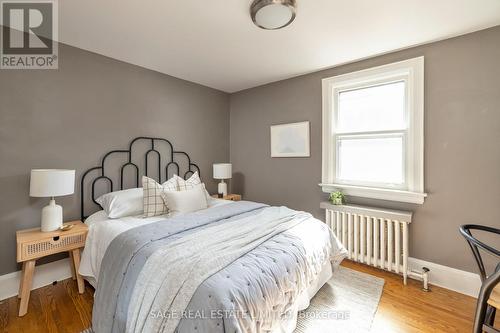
{"x":214,"y":42}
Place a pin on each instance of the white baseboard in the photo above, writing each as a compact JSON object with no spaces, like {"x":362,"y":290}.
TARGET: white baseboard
{"x":44,"y":275}
{"x":450,"y":278}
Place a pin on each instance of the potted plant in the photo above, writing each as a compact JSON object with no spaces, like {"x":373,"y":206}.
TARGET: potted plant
{"x":337,"y":198}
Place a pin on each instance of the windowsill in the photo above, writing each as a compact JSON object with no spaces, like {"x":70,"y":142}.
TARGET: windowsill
{"x":376,"y":193}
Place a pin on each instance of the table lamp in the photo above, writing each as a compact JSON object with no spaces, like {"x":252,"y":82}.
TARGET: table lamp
{"x":222,"y":171}
{"x":52,"y":183}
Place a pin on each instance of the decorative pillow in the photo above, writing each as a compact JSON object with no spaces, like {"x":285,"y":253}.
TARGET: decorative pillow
{"x":186,"y":201}
{"x":190,"y":183}
{"x":152,"y":202}
{"x":122,"y":203}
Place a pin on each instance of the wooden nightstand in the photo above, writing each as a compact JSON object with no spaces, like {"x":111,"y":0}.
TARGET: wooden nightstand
{"x":32,"y":244}
{"x":232,"y":197}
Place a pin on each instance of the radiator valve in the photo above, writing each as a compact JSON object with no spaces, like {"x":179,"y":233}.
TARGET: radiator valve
{"x":425,"y":279}
{"x":423,"y":276}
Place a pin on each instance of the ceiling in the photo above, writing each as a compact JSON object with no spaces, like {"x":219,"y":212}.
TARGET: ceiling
{"x":214,"y":42}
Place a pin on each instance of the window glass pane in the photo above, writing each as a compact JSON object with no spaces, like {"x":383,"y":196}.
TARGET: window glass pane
{"x":373,"y":108}
{"x":373,"y":160}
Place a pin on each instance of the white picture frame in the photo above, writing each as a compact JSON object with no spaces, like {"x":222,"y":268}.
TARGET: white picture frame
{"x":290,"y":140}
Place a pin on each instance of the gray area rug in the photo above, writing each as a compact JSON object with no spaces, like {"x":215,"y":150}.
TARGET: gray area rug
{"x":347,"y":303}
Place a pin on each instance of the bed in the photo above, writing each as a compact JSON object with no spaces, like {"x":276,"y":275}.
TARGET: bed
{"x":232,"y":267}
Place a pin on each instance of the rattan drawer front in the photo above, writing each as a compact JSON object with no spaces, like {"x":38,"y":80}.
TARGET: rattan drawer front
{"x":44,"y":247}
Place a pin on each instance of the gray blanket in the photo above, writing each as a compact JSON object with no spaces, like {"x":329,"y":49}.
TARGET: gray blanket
{"x":128,"y":263}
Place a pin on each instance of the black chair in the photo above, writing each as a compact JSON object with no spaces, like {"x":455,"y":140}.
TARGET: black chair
{"x":485,"y":313}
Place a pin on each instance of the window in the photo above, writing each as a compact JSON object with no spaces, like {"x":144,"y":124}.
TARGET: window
{"x":373,"y":132}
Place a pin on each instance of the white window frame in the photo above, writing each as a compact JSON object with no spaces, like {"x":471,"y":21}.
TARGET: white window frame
{"x":412,"y":73}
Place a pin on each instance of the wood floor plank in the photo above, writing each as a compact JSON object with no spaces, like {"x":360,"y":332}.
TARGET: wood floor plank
{"x":82,"y":302}
{"x":61,"y":309}
{"x":4,"y":313}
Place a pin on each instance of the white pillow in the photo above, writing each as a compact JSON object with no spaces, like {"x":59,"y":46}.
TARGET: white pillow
{"x":122,"y":203}
{"x":153,"y":203}
{"x":190,"y":183}
{"x":186,"y":201}
{"x":97,"y":217}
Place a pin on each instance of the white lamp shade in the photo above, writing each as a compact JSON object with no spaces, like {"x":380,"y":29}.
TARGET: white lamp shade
{"x":52,"y":182}
{"x":223,"y":171}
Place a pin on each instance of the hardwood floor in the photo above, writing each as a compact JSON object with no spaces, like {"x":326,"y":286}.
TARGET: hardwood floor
{"x":410,"y":309}
{"x":59,"y":308}
{"x":51,"y":309}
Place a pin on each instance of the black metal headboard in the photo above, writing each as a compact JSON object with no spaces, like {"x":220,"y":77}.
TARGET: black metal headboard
{"x":154,"y":143}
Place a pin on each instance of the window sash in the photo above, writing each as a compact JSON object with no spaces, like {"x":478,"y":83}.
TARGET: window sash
{"x":379,"y":135}
{"x":365,"y":85}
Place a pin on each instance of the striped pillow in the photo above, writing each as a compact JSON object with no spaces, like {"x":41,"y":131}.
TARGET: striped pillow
{"x":152,"y":201}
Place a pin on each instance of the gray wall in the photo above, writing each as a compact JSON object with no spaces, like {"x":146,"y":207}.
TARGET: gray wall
{"x":68,"y":118}
{"x":462,"y":143}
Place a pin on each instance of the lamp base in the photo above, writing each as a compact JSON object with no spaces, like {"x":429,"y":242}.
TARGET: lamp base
{"x":51,"y":217}
{"x":222,"y":188}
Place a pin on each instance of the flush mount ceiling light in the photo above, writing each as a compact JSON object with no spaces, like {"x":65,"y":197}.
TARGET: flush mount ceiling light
{"x":272,"y":14}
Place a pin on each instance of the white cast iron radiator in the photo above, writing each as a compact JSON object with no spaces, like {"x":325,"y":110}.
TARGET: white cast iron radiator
{"x":373,"y":236}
